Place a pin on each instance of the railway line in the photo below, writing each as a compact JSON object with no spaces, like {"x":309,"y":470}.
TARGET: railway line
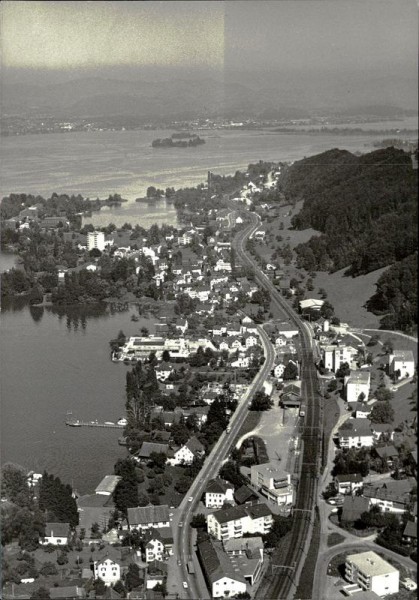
{"x":286,"y":568}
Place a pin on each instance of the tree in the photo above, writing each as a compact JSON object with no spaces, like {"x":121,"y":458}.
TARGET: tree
{"x":48,"y":569}
{"x":343,"y":371}
{"x":290,"y":371}
{"x":198,"y":520}
{"x":132,"y":577}
{"x":14,"y":485}
{"x":382,"y":412}
{"x":261,"y":401}
{"x":126,"y":495}
{"x":166,"y":356}
{"x":183,"y":484}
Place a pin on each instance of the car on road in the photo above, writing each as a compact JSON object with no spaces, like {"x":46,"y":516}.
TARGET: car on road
{"x":185,"y":584}
{"x":336,"y":500}
{"x":179,"y":562}
{"x":190,"y":499}
{"x":180,"y":524}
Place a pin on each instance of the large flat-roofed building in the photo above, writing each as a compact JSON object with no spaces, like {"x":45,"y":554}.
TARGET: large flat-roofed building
{"x":373,"y":573}
{"x":273,"y":483}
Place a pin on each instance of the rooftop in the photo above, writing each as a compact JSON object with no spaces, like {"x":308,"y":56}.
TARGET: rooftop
{"x":108,"y":484}
{"x":371,"y":563}
{"x":143,"y":515}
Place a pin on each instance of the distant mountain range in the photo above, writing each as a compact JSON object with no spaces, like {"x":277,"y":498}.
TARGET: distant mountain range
{"x":258,"y":96}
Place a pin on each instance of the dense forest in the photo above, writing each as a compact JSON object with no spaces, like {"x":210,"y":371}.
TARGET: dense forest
{"x":365,"y":208}
{"x":359,"y":204}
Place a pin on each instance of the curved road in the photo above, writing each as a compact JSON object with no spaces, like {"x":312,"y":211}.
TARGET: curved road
{"x":183,"y":533}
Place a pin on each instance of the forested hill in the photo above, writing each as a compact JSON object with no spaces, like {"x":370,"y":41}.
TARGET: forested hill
{"x":365,"y":207}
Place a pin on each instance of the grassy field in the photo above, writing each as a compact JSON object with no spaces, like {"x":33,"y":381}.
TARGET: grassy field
{"x":334,"y":539}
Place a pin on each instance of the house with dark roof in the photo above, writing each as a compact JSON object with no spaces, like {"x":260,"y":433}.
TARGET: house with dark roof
{"x":188,"y":452}
{"x":147,"y":448}
{"x":235,"y":521}
{"x":147,"y":517}
{"x":218,"y":492}
{"x":221,"y":576}
{"x":56,"y":534}
{"x":68,"y":592}
{"x":386,"y":453}
{"x":410,"y":533}
{"x":245,"y":495}
{"x":391,"y":495}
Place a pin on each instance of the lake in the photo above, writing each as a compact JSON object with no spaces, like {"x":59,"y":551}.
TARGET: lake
{"x":58,"y":361}
{"x":54,"y":361}
{"x":96,"y":164}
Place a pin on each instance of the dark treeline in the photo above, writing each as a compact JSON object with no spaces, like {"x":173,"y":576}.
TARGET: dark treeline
{"x":360,"y":204}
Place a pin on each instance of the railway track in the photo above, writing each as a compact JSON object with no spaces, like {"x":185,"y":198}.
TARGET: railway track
{"x":286,"y":568}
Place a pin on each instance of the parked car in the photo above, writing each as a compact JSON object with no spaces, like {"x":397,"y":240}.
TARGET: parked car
{"x":185,"y":585}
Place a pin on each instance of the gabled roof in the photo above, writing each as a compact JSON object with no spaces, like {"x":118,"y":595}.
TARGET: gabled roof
{"x":411,"y":530}
{"x":349,"y":477}
{"x":148,"y":448}
{"x":244,"y":494}
{"x":108,"y":484}
{"x":195,"y":446}
{"x":386,"y":451}
{"x":217,"y":486}
{"x":216,"y":563}
{"x":233,"y":513}
{"x":57,"y":530}
{"x":143,"y":515}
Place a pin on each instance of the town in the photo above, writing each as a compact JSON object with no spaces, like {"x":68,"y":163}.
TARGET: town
{"x":208,"y":500}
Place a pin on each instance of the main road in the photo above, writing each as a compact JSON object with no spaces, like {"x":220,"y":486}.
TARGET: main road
{"x":183,"y":533}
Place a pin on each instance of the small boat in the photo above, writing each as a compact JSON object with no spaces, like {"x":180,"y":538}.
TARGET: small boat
{"x":109,"y":423}
{"x":122,"y":421}
{"x":74,"y":423}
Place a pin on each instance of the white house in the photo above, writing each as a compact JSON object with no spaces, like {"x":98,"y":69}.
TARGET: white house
{"x":403,"y":361}
{"x":218,"y":492}
{"x":107,"y":569}
{"x":158,"y":544}
{"x":335,"y":356}
{"x":188,"y":452}
{"x":348,"y":484}
{"x":355,"y":433}
{"x":235,"y":521}
{"x":163,"y":371}
{"x":357,"y":385}
{"x":373,"y":573}
{"x":56,"y":534}
{"x":273,"y":483}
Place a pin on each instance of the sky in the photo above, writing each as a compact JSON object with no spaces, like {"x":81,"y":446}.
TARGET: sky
{"x":282,"y":34}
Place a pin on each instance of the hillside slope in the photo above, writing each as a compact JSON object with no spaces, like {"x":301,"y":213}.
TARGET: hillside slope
{"x":360,"y":204}
{"x":366,"y":210}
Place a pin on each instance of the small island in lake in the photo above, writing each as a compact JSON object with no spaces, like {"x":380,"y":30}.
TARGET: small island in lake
{"x":174,"y":142}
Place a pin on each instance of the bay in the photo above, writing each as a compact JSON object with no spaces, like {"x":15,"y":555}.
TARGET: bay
{"x":54,"y":361}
